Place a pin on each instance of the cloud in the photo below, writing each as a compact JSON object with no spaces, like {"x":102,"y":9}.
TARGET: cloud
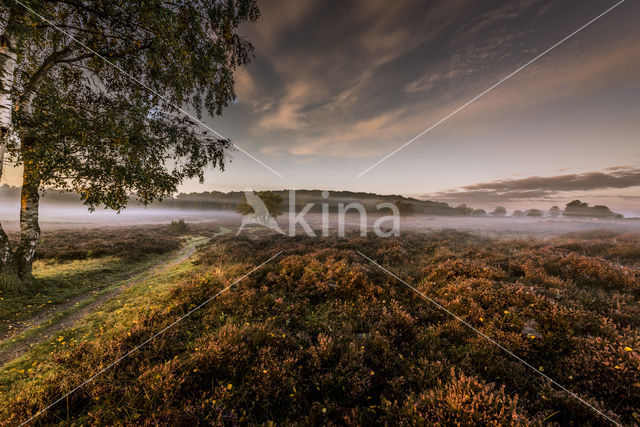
{"x":617,"y":177}
{"x":245,"y":85}
{"x":340,"y":140}
{"x":288,"y":113}
{"x":542,"y":188}
{"x":387,"y":70}
{"x":278,"y":17}
{"x":569,"y":73}
{"x":355,"y":80}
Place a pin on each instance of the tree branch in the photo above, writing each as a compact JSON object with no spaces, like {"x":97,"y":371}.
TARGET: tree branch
{"x":36,"y":79}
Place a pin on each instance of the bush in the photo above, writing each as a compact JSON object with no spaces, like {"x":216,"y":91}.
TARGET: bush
{"x":179,"y":226}
{"x":461,"y":400}
{"x":10,"y":283}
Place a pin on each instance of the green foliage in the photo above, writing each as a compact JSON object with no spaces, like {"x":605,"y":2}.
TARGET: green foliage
{"x":534,"y":213}
{"x":499,"y":211}
{"x":271,"y":200}
{"x":405,"y":208}
{"x":555,"y":212}
{"x":179,"y":226}
{"x":10,"y":282}
{"x":577,"y":208}
{"x":84,"y":117}
{"x":463,"y":210}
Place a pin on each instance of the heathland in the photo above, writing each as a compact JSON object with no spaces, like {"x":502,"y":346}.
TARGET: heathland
{"x":322,"y":335}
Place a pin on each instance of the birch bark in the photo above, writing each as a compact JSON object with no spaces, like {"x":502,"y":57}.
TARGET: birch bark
{"x":8,"y":59}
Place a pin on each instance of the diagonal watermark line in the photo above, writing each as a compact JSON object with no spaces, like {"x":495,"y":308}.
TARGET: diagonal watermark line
{"x":489,"y":89}
{"x":492,"y":341}
{"x":147,"y":87}
{"x":154,"y":336}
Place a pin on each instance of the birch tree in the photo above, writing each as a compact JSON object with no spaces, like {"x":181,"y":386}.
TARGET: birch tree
{"x":93,"y":98}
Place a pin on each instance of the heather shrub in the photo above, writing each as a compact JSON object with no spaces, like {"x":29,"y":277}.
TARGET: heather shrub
{"x":126,"y":242}
{"x":460,"y":400}
{"x":322,"y":336}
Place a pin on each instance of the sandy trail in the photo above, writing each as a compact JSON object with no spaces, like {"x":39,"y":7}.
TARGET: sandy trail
{"x":60,"y":324}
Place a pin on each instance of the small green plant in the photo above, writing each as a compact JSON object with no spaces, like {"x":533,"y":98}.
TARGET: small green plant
{"x":9,"y":283}
{"x":179,"y":226}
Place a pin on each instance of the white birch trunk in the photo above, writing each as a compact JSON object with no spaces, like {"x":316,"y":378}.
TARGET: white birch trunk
{"x":8,"y":59}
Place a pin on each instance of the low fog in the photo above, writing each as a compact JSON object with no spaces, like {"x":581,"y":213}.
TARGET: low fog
{"x":57,"y":217}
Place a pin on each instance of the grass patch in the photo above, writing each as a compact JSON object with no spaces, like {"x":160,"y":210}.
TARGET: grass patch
{"x":58,"y":283}
{"x":72,"y":263}
{"x":123,"y":311}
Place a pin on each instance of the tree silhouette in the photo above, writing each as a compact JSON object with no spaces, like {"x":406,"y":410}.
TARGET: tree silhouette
{"x":499,"y":211}
{"x":405,"y":208}
{"x":271,"y":201}
{"x":576,"y":208}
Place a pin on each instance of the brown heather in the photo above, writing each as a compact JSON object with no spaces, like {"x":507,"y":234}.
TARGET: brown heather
{"x":126,"y":242}
{"x":321,"y":336}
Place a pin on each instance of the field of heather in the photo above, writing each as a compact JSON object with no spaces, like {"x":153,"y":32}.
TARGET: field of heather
{"x":321,"y":335}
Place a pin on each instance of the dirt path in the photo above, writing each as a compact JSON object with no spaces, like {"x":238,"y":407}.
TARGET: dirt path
{"x":59,"y":324}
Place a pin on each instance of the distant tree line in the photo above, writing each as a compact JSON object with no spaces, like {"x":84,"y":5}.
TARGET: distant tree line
{"x":574,"y":209}
{"x":577,"y":208}
{"x":217,"y":200}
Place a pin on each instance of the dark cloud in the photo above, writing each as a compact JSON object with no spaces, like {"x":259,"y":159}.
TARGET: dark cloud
{"x":543,"y":188}
{"x":330,"y":75}
{"x":616,"y":177}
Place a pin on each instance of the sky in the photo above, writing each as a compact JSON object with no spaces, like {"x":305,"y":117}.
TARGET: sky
{"x":337,"y":85}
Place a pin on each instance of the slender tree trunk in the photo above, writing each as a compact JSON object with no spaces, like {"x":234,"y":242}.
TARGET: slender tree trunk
{"x":9,"y":278}
{"x":8,"y":58}
{"x":7,"y":74}
{"x":29,"y":213}
{"x":5,"y":249}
